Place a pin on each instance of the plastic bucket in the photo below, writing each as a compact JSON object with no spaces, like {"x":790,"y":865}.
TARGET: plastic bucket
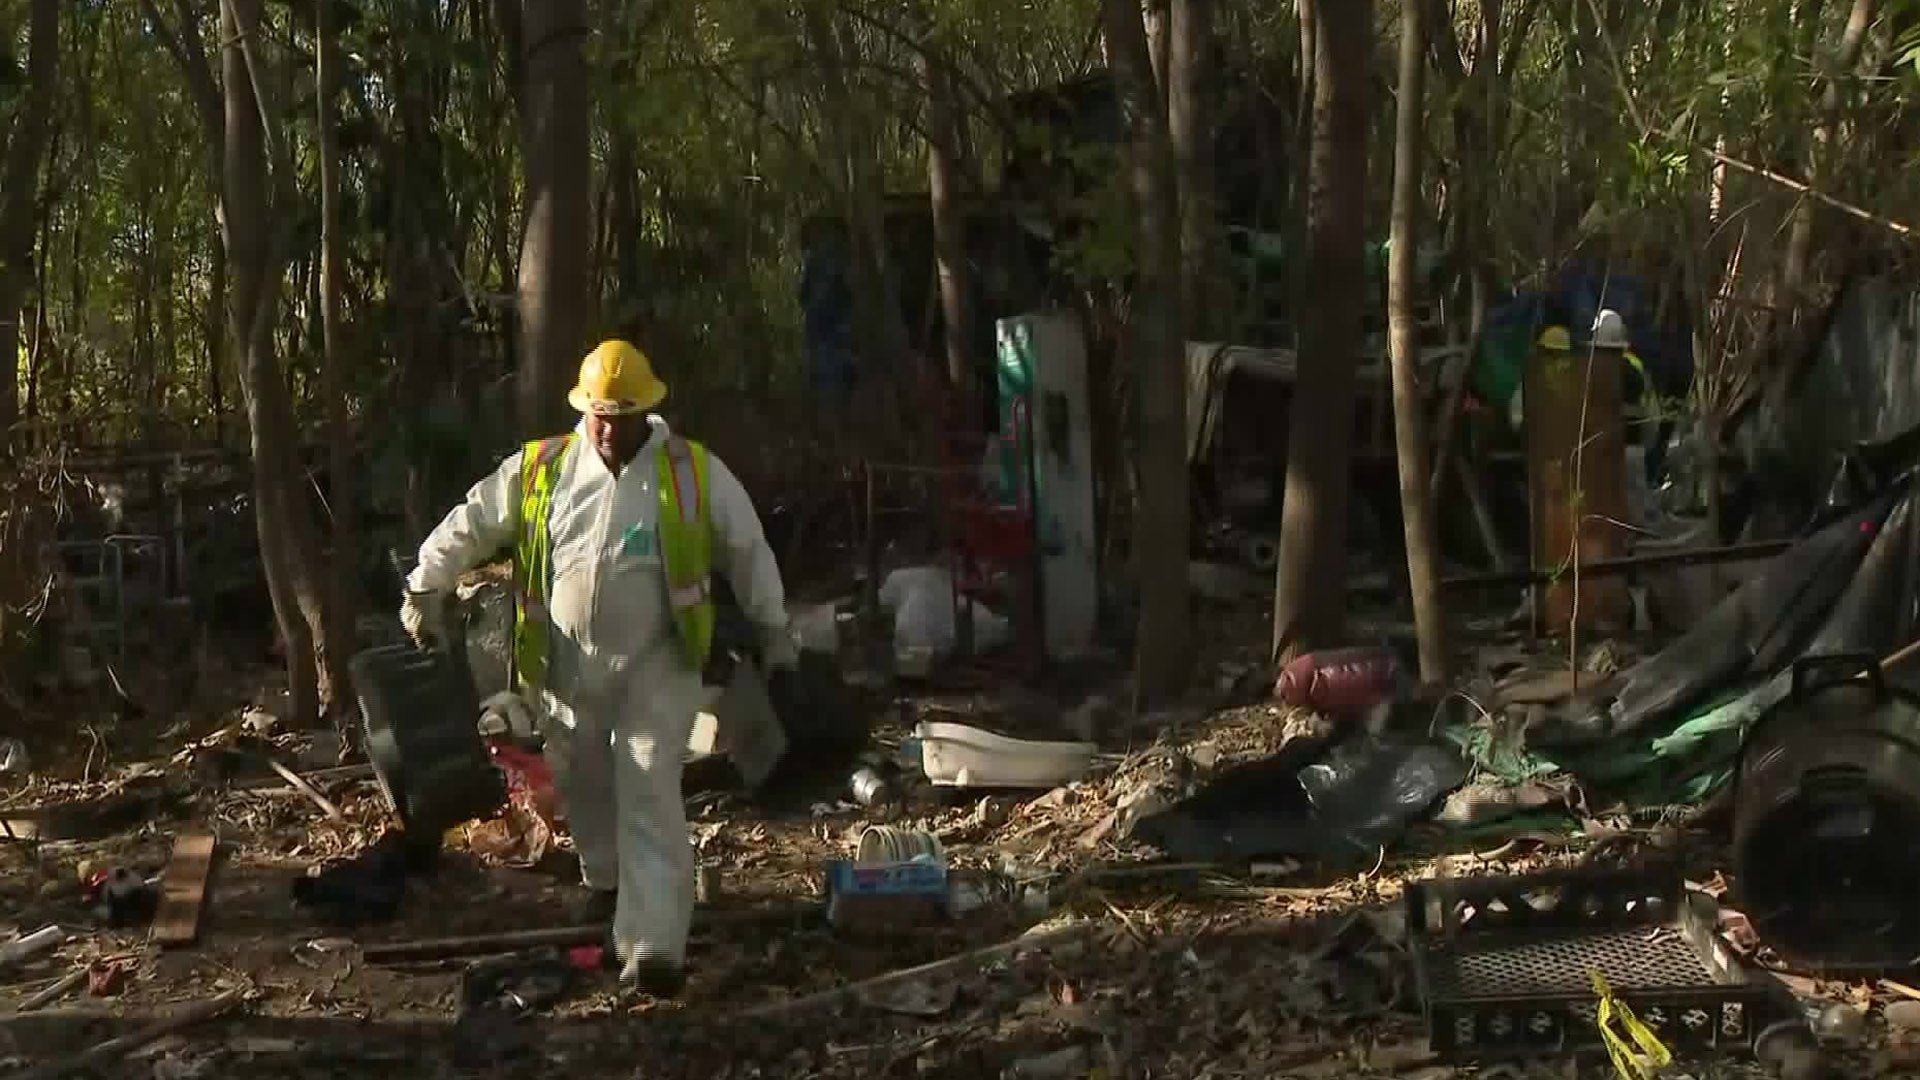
{"x":882,"y":844}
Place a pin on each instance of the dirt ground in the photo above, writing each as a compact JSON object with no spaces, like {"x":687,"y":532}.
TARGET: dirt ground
{"x":1177,"y":972}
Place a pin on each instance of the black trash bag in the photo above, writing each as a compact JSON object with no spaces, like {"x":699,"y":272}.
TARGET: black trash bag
{"x":1757,"y":630}
{"x":1338,"y":802}
{"x":368,"y":887}
{"x":1875,"y":615}
{"x":496,"y":996}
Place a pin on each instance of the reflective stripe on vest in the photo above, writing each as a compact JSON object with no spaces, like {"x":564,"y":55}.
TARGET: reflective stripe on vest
{"x":686,"y":550}
{"x":686,"y":543}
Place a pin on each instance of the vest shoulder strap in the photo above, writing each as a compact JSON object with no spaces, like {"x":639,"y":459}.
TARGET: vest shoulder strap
{"x":686,"y":471}
{"x":538,"y":453}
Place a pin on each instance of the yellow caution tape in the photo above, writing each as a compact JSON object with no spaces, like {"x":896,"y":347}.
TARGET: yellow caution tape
{"x":1638,"y":1054}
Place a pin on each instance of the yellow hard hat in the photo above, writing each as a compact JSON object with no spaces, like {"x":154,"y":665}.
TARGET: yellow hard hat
{"x":1556,"y":339}
{"x":616,"y":379}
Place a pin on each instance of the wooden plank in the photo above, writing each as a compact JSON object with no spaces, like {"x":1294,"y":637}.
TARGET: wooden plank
{"x":183,"y":890}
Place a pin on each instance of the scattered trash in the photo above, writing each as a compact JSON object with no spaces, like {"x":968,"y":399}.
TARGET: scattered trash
{"x":1341,"y":680}
{"x":921,"y":600}
{"x":1826,"y":805}
{"x":1843,"y":1024}
{"x":120,"y":897}
{"x":27,"y":946}
{"x":367,"y":888}
{"x":13,"y":757}
{"x":1510,"y":965}
{"x":1903,"y":1016}
{"x":960,"y":755}
{"x":883,"y":845}
{"x":888,"y":897}
{"x":1637,"y":1053}
{"x":869,"y":788}
{"x":106,"y":978}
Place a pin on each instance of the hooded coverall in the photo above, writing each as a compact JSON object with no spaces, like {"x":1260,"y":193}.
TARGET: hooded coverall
{"x":620,"y":695}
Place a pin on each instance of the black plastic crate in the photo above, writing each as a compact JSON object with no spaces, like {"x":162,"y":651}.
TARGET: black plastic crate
{"x":1503,"y":964}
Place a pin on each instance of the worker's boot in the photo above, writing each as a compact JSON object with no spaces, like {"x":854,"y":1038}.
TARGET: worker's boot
{"x":651,"y":976}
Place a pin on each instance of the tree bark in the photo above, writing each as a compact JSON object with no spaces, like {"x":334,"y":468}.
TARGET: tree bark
{"x":1157,"y":18}
{"x":1161,"y":533}
{"x":556,"y":305}
{"x":1403,"y":323}
{"x":1189,"y":114}
{"x":26,"y":148}
{"x":341,"y":607}
{"x":949,"y":231}
{"x":1309,"y":595}
{"x":288,"y":551}
{"x":1797,"y":267}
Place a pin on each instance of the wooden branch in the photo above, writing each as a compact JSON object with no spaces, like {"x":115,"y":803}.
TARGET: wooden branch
{"x":1897,"y":228}
{"x":938,"y":969}
{"x":300,"y":784}
{"x":90,"y":1060}
{"x":58,"y":990}
{"x":561,"y":937}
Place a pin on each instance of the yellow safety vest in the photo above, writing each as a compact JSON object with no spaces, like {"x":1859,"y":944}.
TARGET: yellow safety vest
{"x":686,"y":549}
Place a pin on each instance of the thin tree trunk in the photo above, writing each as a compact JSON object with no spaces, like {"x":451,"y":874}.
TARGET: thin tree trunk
{"x":1797,"y":266}
{"x":1423,"y":574}
{"x":1161,"y":533}
{"x":1309,"y":595}
{"x":1157,"y":17}
{"x":949,"y":231}
{"x":216,"y":332}
{"x":295,"y":579}
{"x":556,"y":305}
{"x":26,"y":148}
{"x":340,"y":607}
{"x":1189,"y":116}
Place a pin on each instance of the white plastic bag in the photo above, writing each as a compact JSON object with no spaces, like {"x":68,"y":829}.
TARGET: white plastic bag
{"x":921,"y":600}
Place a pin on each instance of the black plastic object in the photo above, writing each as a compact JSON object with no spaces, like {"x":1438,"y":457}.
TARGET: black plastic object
{"x":419,"y":711}
{"x":1826,"y":826}
{"x":1757,"y":630}
{"x":1504,"y":964}
{"x":1338,"y":802}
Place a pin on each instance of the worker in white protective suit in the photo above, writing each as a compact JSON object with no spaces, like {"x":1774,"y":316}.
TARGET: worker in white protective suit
{"x":615,"y":529}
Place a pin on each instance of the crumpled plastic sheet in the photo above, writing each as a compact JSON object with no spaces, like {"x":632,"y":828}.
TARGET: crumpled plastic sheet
{"x":1337,"y":802}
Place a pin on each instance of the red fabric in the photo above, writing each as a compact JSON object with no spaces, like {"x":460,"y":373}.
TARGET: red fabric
{"x":529,"y":780}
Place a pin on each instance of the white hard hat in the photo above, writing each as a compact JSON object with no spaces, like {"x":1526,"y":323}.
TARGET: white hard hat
{"x":1610,"y":330}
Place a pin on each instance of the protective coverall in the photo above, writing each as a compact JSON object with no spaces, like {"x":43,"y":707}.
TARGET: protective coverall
{"x":620,"y":694}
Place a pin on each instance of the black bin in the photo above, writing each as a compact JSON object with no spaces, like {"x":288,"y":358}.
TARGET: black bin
{"x":1826,"y":831}
{"x":419,"y":711}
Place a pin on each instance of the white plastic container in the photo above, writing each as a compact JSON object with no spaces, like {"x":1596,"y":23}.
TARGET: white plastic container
{"x":959,"y":755}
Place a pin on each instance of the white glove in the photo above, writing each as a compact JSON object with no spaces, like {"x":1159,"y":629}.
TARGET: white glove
{"x":507,"y":714}
{"x":422,"y":616}
{"x":778,"y":649}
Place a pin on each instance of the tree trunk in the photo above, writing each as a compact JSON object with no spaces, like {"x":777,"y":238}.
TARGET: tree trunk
{"x":949,"y":232}
{"x":1409,"y":434}
{"x":341,"y":609}
{"x":1189,"y":116}
{"x":285,"y":528}
{"x":556,"y":307}
{"x":26,"y":146}
{"x":1160,"y":535}
{"x":1797,"y":266}
{"x":1157,"y":17}
{"x":1309,"y":595}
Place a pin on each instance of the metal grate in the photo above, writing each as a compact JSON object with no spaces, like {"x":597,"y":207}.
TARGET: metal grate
{"x":1638,"y":959}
